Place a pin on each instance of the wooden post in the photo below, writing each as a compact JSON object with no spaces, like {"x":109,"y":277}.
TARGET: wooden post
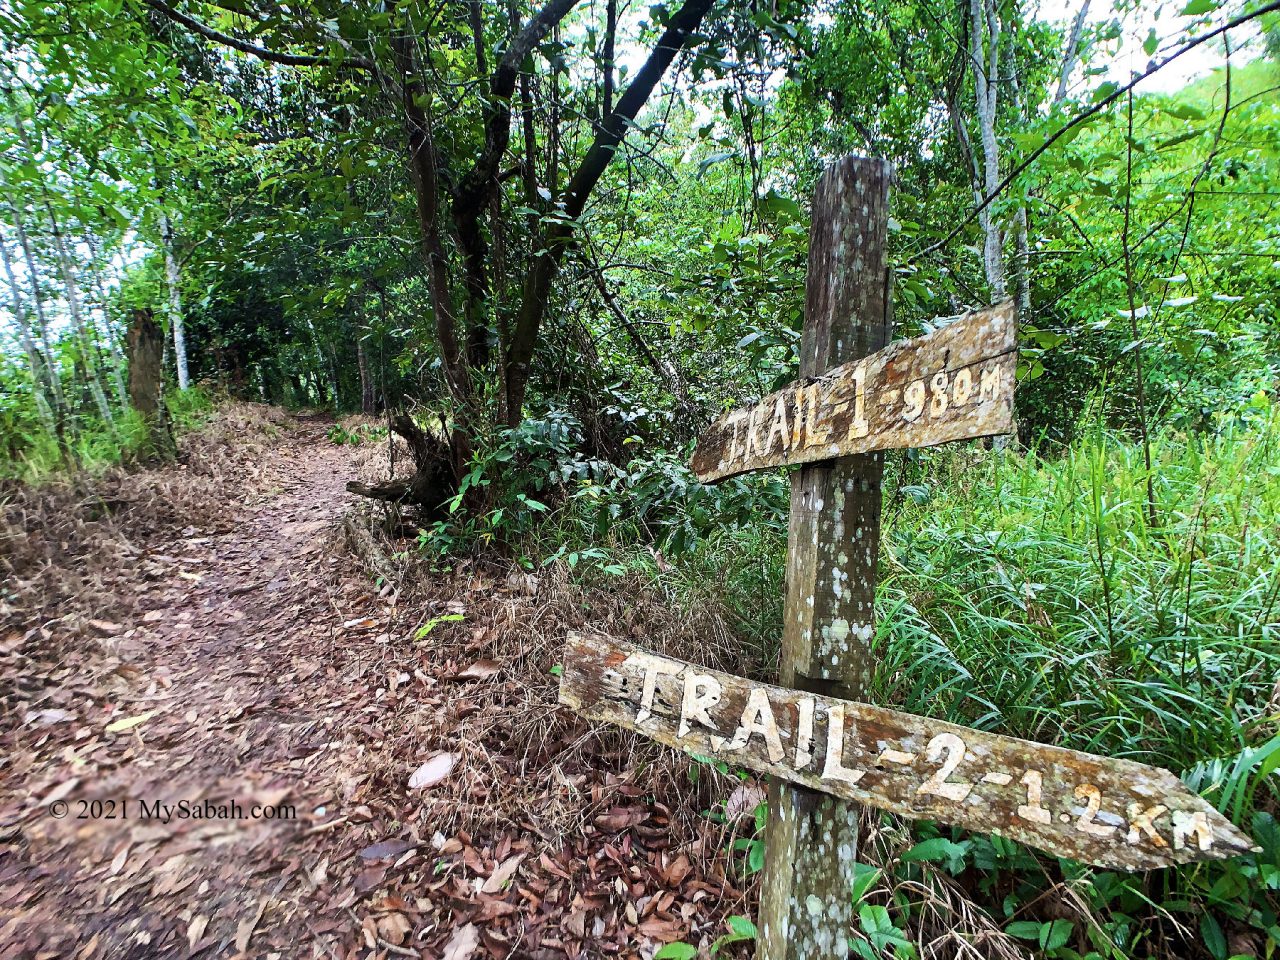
{"x":833,"y":539}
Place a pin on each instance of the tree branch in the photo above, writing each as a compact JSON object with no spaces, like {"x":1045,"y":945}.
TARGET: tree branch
{"x":1070,"y":55}
{"x":681,"y":28}
{"x":288,"y":59}
{"x":1087,"y":115}
{"x":474,"y":189}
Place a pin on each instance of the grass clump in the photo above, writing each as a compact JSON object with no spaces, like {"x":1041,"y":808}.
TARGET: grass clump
{"x":1029,"y":595}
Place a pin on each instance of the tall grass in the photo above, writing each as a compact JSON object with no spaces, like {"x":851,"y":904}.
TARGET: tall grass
{"x":93,"y":444}
{"x":1029,"y":596}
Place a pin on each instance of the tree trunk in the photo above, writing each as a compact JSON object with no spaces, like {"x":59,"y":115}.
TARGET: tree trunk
{"x":367,"y":401}
{"x":66,"y":267}
{"x":1021,"y":246}
{"x":610,"y":33}
{"x":1071,"y":53}
{"x":433,"y":483}
{"x":76,"y":309}
{"x":42,"y":323}
{"x":984,"y":53}
{"x":423,"y":167}
{"x":113,"y":344}
{"x":39,"y":370}
{"x":146,"y":384}
{"x":172,"y":276}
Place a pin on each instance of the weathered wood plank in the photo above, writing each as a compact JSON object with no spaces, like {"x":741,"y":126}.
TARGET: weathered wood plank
{"x":833,"y":534}
{"x":1109,"y":812}
{"x":952,"y":384}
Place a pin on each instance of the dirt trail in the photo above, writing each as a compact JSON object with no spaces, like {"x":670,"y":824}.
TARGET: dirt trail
{"x":266,"y":670}
{"x":227,"y":669}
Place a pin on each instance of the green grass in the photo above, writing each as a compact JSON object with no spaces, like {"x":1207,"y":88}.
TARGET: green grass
{"x":1029,"y":596}
{"x":95,"y":445}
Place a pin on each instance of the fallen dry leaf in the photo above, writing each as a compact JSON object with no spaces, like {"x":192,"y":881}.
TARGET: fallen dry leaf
{"x":576,"y":924}
{"x":369,"y":878}
{"x":743,"y":801}
{"x":386,"y":848}
{"x":678,"y":870}
{"x":619,"y":818}
{"x":462,"y":944}
{"x":128,"y":723}
{"x":196,"y":930}
{"x":664,"y":931}
{"x":502,"y":874}
{"x":433,"y":771}
{"x":45,"y":717}
{"x":245,"y":928}
{"x":394,"y":928}
{"x":480,"y":670}
{"x":60,"y":792}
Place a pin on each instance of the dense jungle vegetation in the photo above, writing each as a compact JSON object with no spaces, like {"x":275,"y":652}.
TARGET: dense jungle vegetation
{"x":548,"y":242}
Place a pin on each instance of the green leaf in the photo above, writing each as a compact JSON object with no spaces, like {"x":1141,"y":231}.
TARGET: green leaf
{"x":1196,"y":7}
{"x":714,"y":158}
{"x":778,"y":204}
{"x":864,"y":878}
{"x":434,"y":622}
{"x":1151,"y":43}
{"x":755,"y":856}
{"x":1055,"y":934}
{"x":937,"y":848}
{"x":1105,"y":90}
{"x":676,"y":951}
{"x":1184,"y":111}
{"x":742,"y":927}
{"x":1024,"y":929}
{"x":1214,"y":938}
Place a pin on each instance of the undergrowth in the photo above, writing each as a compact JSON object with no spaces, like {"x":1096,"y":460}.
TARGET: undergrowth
{"x":1020,"y":593}
{"x":93,"y":445}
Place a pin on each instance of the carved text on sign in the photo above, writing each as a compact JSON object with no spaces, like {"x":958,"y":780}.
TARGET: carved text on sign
{"x":1113,"y":813}
{"x":953,"y":384}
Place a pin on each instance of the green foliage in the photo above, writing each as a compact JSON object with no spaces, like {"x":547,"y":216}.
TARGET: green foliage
{"x":676,"y":951}
{"x":1048,"y":566}
{"x":35,"y":457}
{"x":356,"y":436}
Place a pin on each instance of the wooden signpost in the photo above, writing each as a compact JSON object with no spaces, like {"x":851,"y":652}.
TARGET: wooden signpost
{"x":826,"y":751}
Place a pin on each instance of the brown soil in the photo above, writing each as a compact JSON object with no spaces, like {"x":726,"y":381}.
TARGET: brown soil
{"x":255,"y":662}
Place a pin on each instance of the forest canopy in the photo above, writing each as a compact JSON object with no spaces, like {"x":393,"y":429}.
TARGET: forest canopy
{"x":496,"y":210}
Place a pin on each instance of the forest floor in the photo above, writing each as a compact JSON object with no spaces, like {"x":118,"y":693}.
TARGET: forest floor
{"x":430,"y":799}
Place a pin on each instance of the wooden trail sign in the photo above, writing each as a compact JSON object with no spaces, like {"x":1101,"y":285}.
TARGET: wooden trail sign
{"x":953,"y":384}
{"x":826,"y":750}
{"x":1111,"y":813}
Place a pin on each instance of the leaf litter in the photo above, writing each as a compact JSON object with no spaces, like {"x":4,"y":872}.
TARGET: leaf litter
{"x":443,"y":804}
